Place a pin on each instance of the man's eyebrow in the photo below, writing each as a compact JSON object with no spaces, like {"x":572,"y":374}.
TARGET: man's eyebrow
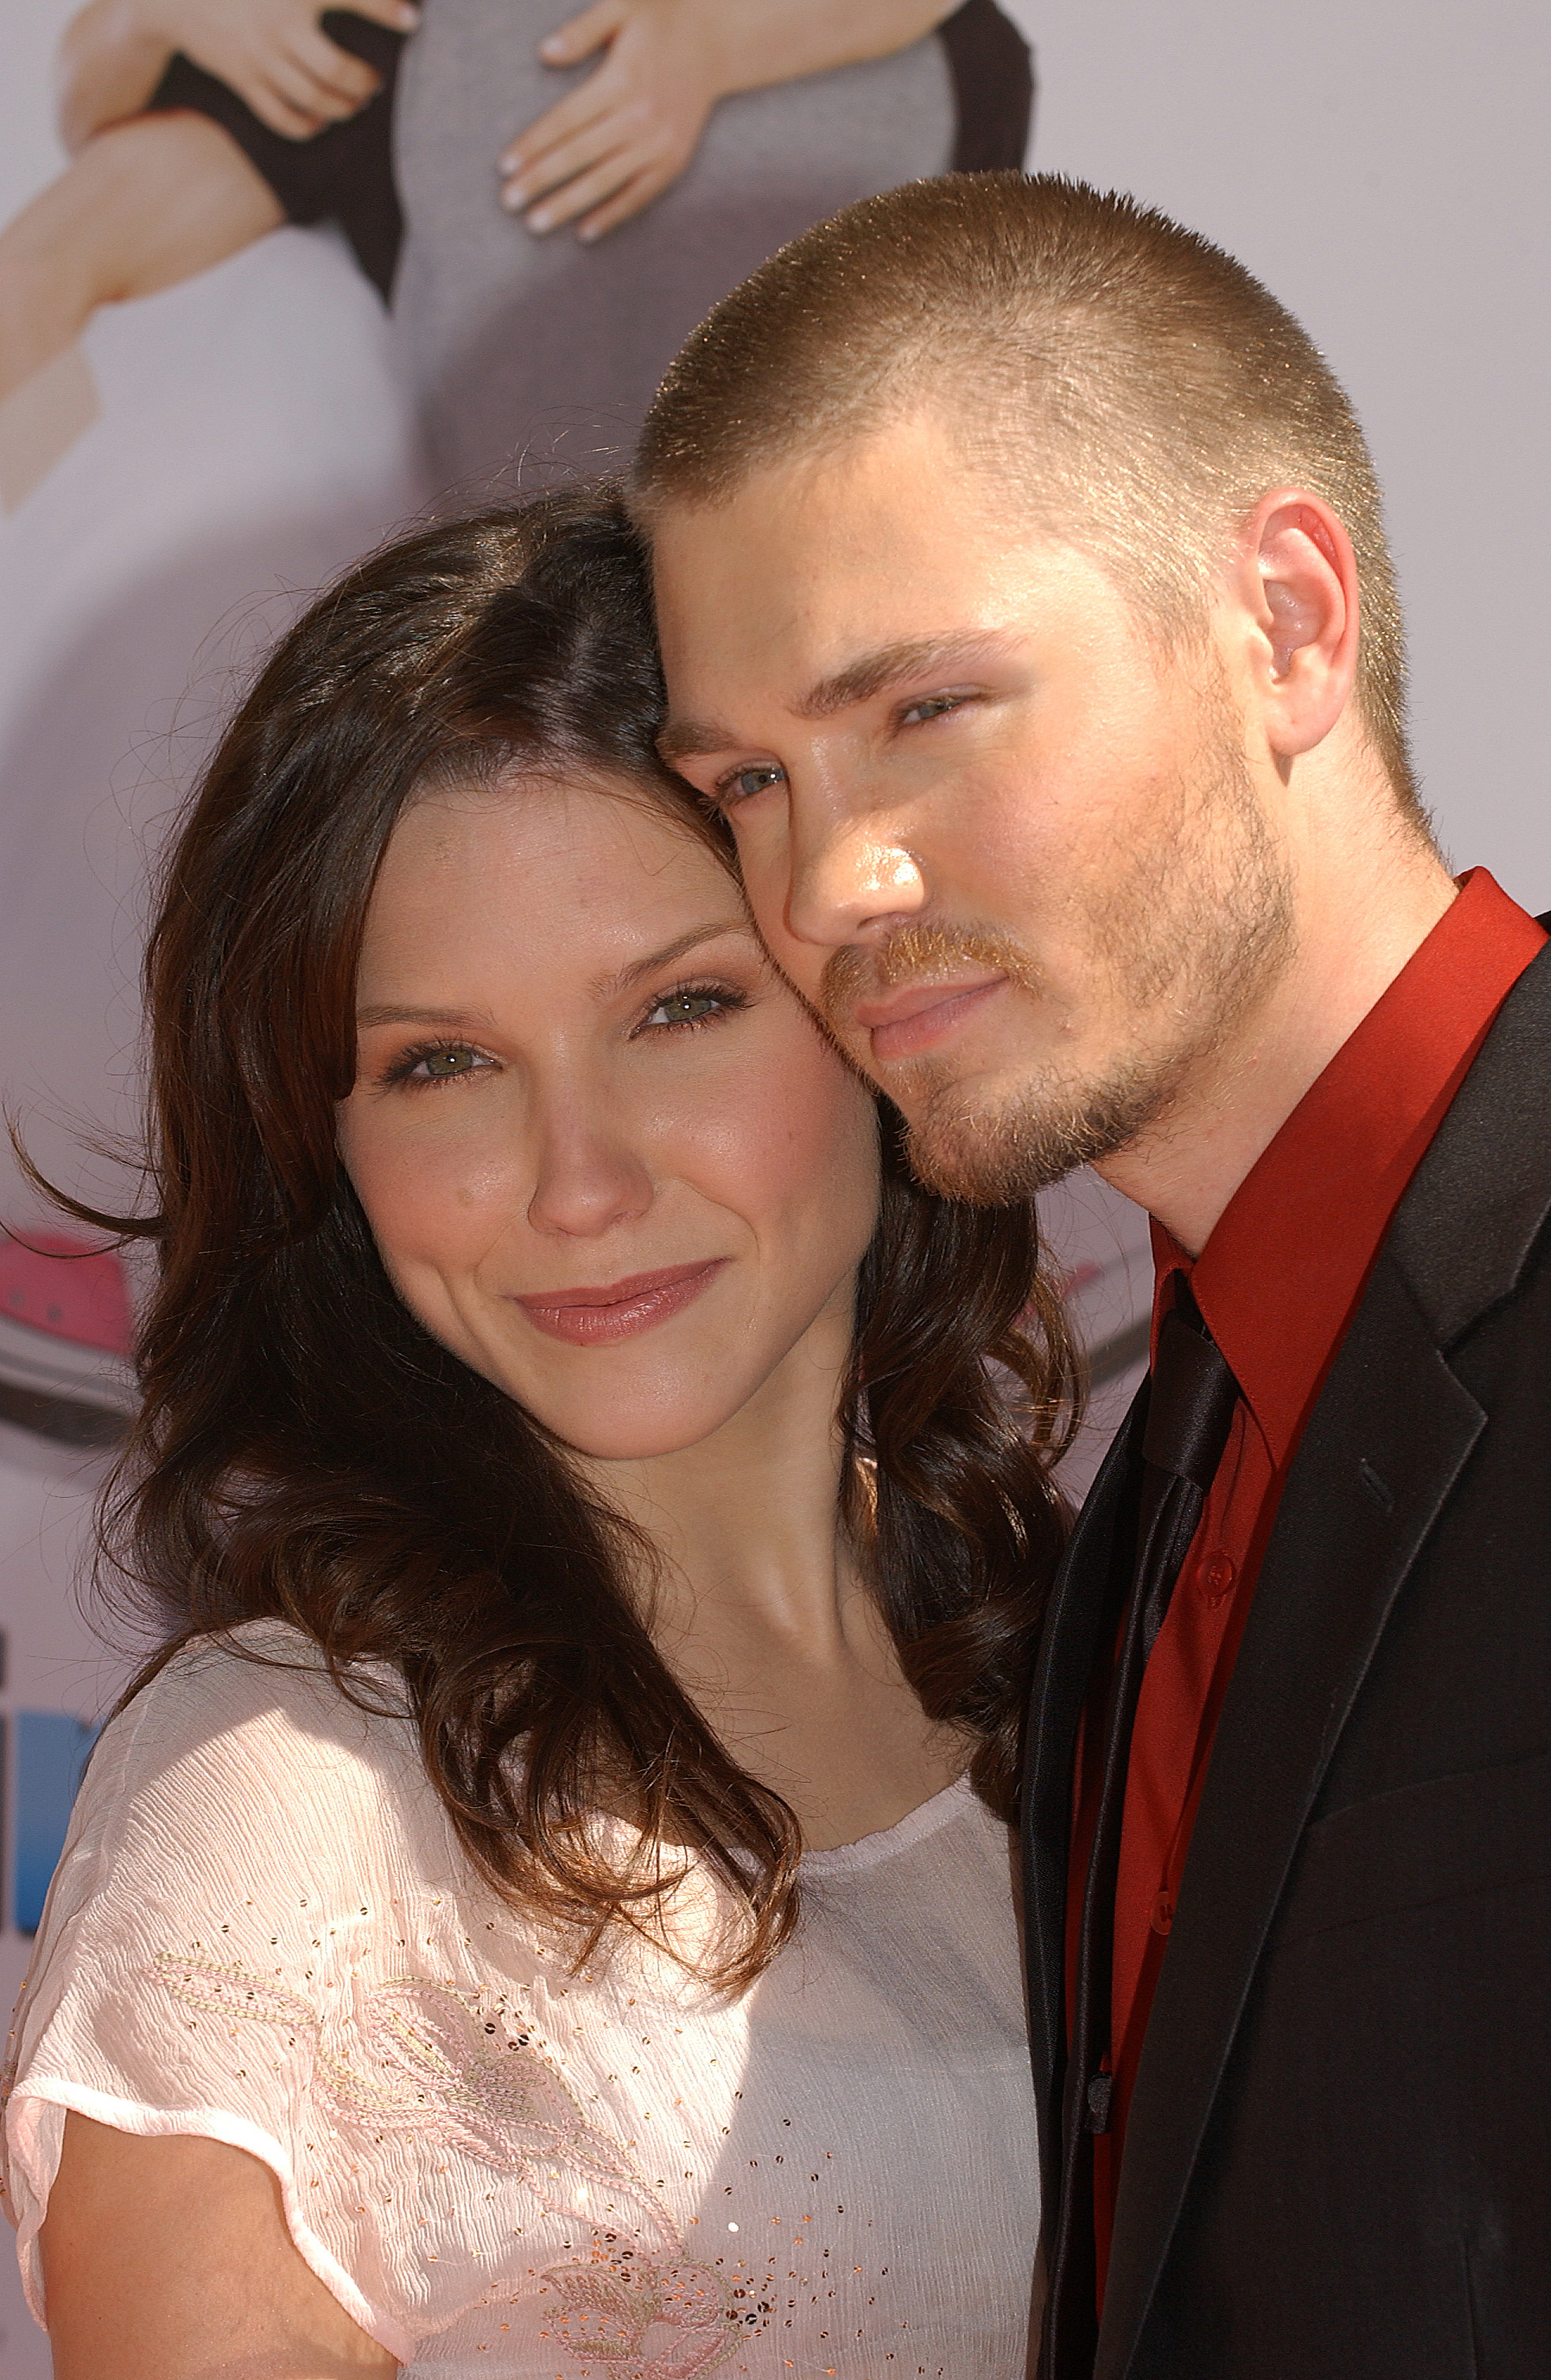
{"x":874,"y":674}
{"x":691,"y":739}
{"x":610,"y":985}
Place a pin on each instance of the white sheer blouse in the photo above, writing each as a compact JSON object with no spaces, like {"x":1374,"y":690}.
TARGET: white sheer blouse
{"x":263,"y":1931}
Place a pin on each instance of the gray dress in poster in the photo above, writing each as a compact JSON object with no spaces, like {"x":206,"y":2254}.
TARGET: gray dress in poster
{"x":548,"y":352}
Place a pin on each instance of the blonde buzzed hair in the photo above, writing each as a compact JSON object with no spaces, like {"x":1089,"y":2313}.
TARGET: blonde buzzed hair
{"x":1144,"y":389}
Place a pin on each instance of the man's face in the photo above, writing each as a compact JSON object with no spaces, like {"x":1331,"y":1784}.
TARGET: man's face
{"x":1012,"y":853}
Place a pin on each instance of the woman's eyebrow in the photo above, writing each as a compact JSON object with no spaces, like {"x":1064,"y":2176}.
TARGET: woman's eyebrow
{"x":389,"y":1014}
{"x":608,"y":986}
{"x":393,"y":1013}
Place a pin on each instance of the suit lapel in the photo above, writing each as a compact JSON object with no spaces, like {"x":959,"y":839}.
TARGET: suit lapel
{"x":1074,"y":1624}
{"x":1387,"y":1441}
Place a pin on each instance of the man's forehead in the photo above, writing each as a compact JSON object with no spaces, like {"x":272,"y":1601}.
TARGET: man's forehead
{"x":824,"y":643}
{"x":871,"y":576}
{"x":822,"y":582}
{"x":861,"y":678}
{"x":876,"y":456}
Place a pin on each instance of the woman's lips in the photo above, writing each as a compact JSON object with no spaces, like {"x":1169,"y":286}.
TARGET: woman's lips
{"x":592,"y":1317}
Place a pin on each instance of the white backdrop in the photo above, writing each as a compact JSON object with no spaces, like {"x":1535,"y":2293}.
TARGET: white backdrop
{"x":1383,"y":167}
{"x":1380,"y":167}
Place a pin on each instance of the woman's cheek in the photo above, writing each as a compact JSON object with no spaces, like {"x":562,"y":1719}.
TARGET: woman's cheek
{"x":796,"y":1134}
{"x":830,"y":1115}
{"x":430,"y":1197}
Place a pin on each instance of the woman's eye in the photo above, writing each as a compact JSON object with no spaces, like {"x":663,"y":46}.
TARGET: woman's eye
{"x":686,"y":1008}
{"x":448,"y":1062}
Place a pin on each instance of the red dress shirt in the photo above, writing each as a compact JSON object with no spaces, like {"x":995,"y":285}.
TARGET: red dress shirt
{"x":1278,"y":1284}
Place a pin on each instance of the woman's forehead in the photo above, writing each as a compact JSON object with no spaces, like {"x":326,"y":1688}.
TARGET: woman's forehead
{"x":577,"y":878}
{"x":633,"y":821}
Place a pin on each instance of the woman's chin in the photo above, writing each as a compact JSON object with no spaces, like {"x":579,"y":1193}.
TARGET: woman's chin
{"x":637,"y":1429}
{"x":639,"y":1439}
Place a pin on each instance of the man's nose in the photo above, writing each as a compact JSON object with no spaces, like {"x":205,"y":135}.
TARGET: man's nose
{"x":591,"y":1174}
{"x":851,"y":880}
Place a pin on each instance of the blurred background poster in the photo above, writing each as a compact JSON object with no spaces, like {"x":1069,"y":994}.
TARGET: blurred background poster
{"x":272,"y":285}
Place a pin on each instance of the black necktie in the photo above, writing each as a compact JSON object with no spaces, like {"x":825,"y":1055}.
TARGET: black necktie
{"x":1191,"y":1397}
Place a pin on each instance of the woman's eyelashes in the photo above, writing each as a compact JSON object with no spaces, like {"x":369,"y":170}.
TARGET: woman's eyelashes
{"x":436,"y":1061}
{"x":690,"y":1006}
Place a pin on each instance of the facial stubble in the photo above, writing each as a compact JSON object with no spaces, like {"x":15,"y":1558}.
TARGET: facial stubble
{"x":1189,"y":934}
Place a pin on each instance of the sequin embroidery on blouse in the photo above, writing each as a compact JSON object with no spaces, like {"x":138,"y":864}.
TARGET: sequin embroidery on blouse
{"x":439,"y":2066}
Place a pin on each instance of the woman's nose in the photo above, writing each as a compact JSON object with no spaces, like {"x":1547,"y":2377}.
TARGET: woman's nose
{"x":590,"y":1176}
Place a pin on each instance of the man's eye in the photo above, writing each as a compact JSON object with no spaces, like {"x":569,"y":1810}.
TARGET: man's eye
{"x":931,"y":706}
{"x":745,"y":782}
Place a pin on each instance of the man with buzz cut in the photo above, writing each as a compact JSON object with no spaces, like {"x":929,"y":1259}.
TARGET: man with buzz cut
{"x":1026,"y":613}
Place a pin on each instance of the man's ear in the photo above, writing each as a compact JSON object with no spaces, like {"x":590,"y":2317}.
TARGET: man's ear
{"x":1296,"y":578}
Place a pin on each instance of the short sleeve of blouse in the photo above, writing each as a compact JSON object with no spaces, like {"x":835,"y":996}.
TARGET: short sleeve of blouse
{"x":250,"y":1861}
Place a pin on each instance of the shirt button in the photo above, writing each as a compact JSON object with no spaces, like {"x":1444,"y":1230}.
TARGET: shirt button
{"x":1218,"y":1574}
{"x":1162,"y":1916}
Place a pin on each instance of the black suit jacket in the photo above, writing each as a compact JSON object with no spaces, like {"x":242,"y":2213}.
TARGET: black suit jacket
{"x":1338,"y":2162}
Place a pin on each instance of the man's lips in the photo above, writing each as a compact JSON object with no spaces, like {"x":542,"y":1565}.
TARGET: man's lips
{"x":618,"y":1309}
{"x":920,"y":1015}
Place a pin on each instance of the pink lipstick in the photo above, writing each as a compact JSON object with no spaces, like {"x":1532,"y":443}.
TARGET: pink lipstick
{"x":618,"y":1309}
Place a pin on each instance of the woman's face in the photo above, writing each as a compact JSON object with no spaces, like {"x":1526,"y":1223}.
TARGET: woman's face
{"x":607,"y":1157}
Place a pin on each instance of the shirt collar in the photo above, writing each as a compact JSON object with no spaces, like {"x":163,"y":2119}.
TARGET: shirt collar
{"x":1277,"y":1281}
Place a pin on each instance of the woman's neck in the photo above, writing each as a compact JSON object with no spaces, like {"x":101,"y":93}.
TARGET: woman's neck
{"x":748,"y":1524}
{"x":761,"y":1608}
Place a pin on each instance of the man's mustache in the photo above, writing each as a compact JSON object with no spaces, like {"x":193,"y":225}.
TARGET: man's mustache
{"x":912,"y":953}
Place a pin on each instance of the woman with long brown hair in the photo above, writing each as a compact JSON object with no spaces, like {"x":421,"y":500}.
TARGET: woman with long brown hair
{"x":546,"y":1907}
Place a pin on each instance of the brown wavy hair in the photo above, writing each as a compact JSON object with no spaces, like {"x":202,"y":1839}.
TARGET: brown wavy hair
{"x":307,"y":1451}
